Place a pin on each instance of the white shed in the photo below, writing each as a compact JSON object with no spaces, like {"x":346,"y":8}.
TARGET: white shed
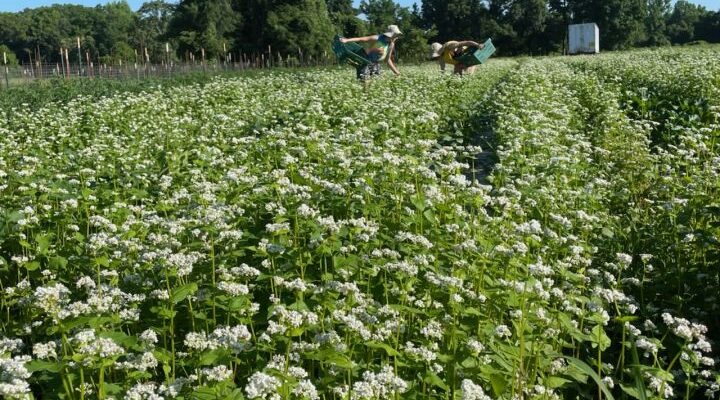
{"x":584,"y":38}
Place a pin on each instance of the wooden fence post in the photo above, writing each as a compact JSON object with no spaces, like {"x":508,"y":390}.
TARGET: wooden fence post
{"x":87,"y":59}
{"x":7,"y":82}
{"x":67,"y":62}
{"x":62,"y":62}
{"x":79,"y":57}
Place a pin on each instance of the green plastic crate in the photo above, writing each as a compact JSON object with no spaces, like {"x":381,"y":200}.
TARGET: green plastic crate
{"x":351,"y":53}
{"x":478,"y":56}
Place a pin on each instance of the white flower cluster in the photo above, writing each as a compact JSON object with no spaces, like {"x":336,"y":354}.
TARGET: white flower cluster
{"x":93,"y":348}
{"x":263,"y":386}
{"x":381,"y":385}
{"x":234,"y":338}
{"x":471,"y":391}
{"x":13,"y":377}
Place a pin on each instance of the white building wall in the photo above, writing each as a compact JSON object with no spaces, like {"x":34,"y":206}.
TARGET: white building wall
{"x":583,"y":38}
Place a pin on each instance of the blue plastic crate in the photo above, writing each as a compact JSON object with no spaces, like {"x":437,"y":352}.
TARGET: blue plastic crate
{"x":351,"y":53}
{"x":478,"y":56}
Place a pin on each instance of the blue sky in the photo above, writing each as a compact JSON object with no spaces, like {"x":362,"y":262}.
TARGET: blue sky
{"x":17,"y":5}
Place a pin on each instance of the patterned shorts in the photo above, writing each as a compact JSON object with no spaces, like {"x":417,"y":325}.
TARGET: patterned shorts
{"x":366,"y":71}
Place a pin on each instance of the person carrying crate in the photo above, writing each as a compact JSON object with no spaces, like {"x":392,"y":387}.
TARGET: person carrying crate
{"x":380,"y":47}
{"x":451,"y":52}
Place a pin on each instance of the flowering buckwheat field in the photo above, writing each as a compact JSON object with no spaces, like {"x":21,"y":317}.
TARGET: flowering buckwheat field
{"x":296,"y":236}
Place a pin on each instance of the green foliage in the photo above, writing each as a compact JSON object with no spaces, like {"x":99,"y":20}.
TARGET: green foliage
{"x":681,"y":24}
{"x":204,"y":25}
{"x":344,"y":18}
{"x":380,"y":14}
{"x":112,"y":32}
{"x":658,"y":12}
{"x":8,"y":54}
{"x":152,"y":27}
{"x":299,"y":26}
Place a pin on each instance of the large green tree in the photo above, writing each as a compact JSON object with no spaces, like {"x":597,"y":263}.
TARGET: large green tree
{"x":657,"y":13}
{"x":558,"y":19}
{"x":115,"y":27}
{"x":300,"y":25}
{"x":457,"y":19}
{"x":380,"y":14}
{"x":207,"y":25}
{"x":344,"y":18}
{"x":528,"y":19}
{"x":414,"y":44}
{"x":708,"y":27}
{"x":683,"y":20}
{"x":13,"y":32}
{"x":152,"y":27}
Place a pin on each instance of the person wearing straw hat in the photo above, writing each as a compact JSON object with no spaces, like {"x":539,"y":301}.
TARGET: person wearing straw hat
{"x":449,"y":52}
{"x":380,"y":47}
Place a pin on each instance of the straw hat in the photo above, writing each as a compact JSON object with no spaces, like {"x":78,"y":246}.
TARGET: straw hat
{"x":435,"y":50}
{"x":393,"y":31}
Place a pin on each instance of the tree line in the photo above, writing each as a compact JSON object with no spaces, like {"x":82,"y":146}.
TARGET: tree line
{"x":223,"y":29}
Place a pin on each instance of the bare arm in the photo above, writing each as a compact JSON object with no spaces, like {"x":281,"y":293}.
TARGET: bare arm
{"x":442,"y":64}
{"x":470,"y":43}
{"x":390,"y":62}
{"x":359,"y":39}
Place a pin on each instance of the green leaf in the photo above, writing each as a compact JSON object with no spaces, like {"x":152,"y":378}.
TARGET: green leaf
{"x":430,"y":216}
{"x":57,"y":262}
{"x":631,"y":391}
{"x":599,"y":337}
{"x":204,"y":393}
{"x":298,"y":306}
{"x":41,"y":365}
{"x":332,"y":357}
{"x":582,"y":366}
{"x":469,"y":362}
{"x":213,"y":357}
{"x":379,"y":345}
{"x":102,"y":261}
{"x":112,"y":388}
{"x":14,"y":216}
{"x":470,"y":311}
{"x":608,"y":233}
{"x":120,"y":338}
{"x":32,"y":265}
{"x":498,"y":384}
{"x":166,"y":369}
{"x":43,"y":243}
{"x":181,"y":293}
{"x":418,"y":201}
{"x":431,"y":378}
{"x":555,"y":382}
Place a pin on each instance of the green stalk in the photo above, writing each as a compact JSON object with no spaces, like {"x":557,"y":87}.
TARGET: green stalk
{"x":101,"y":383}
